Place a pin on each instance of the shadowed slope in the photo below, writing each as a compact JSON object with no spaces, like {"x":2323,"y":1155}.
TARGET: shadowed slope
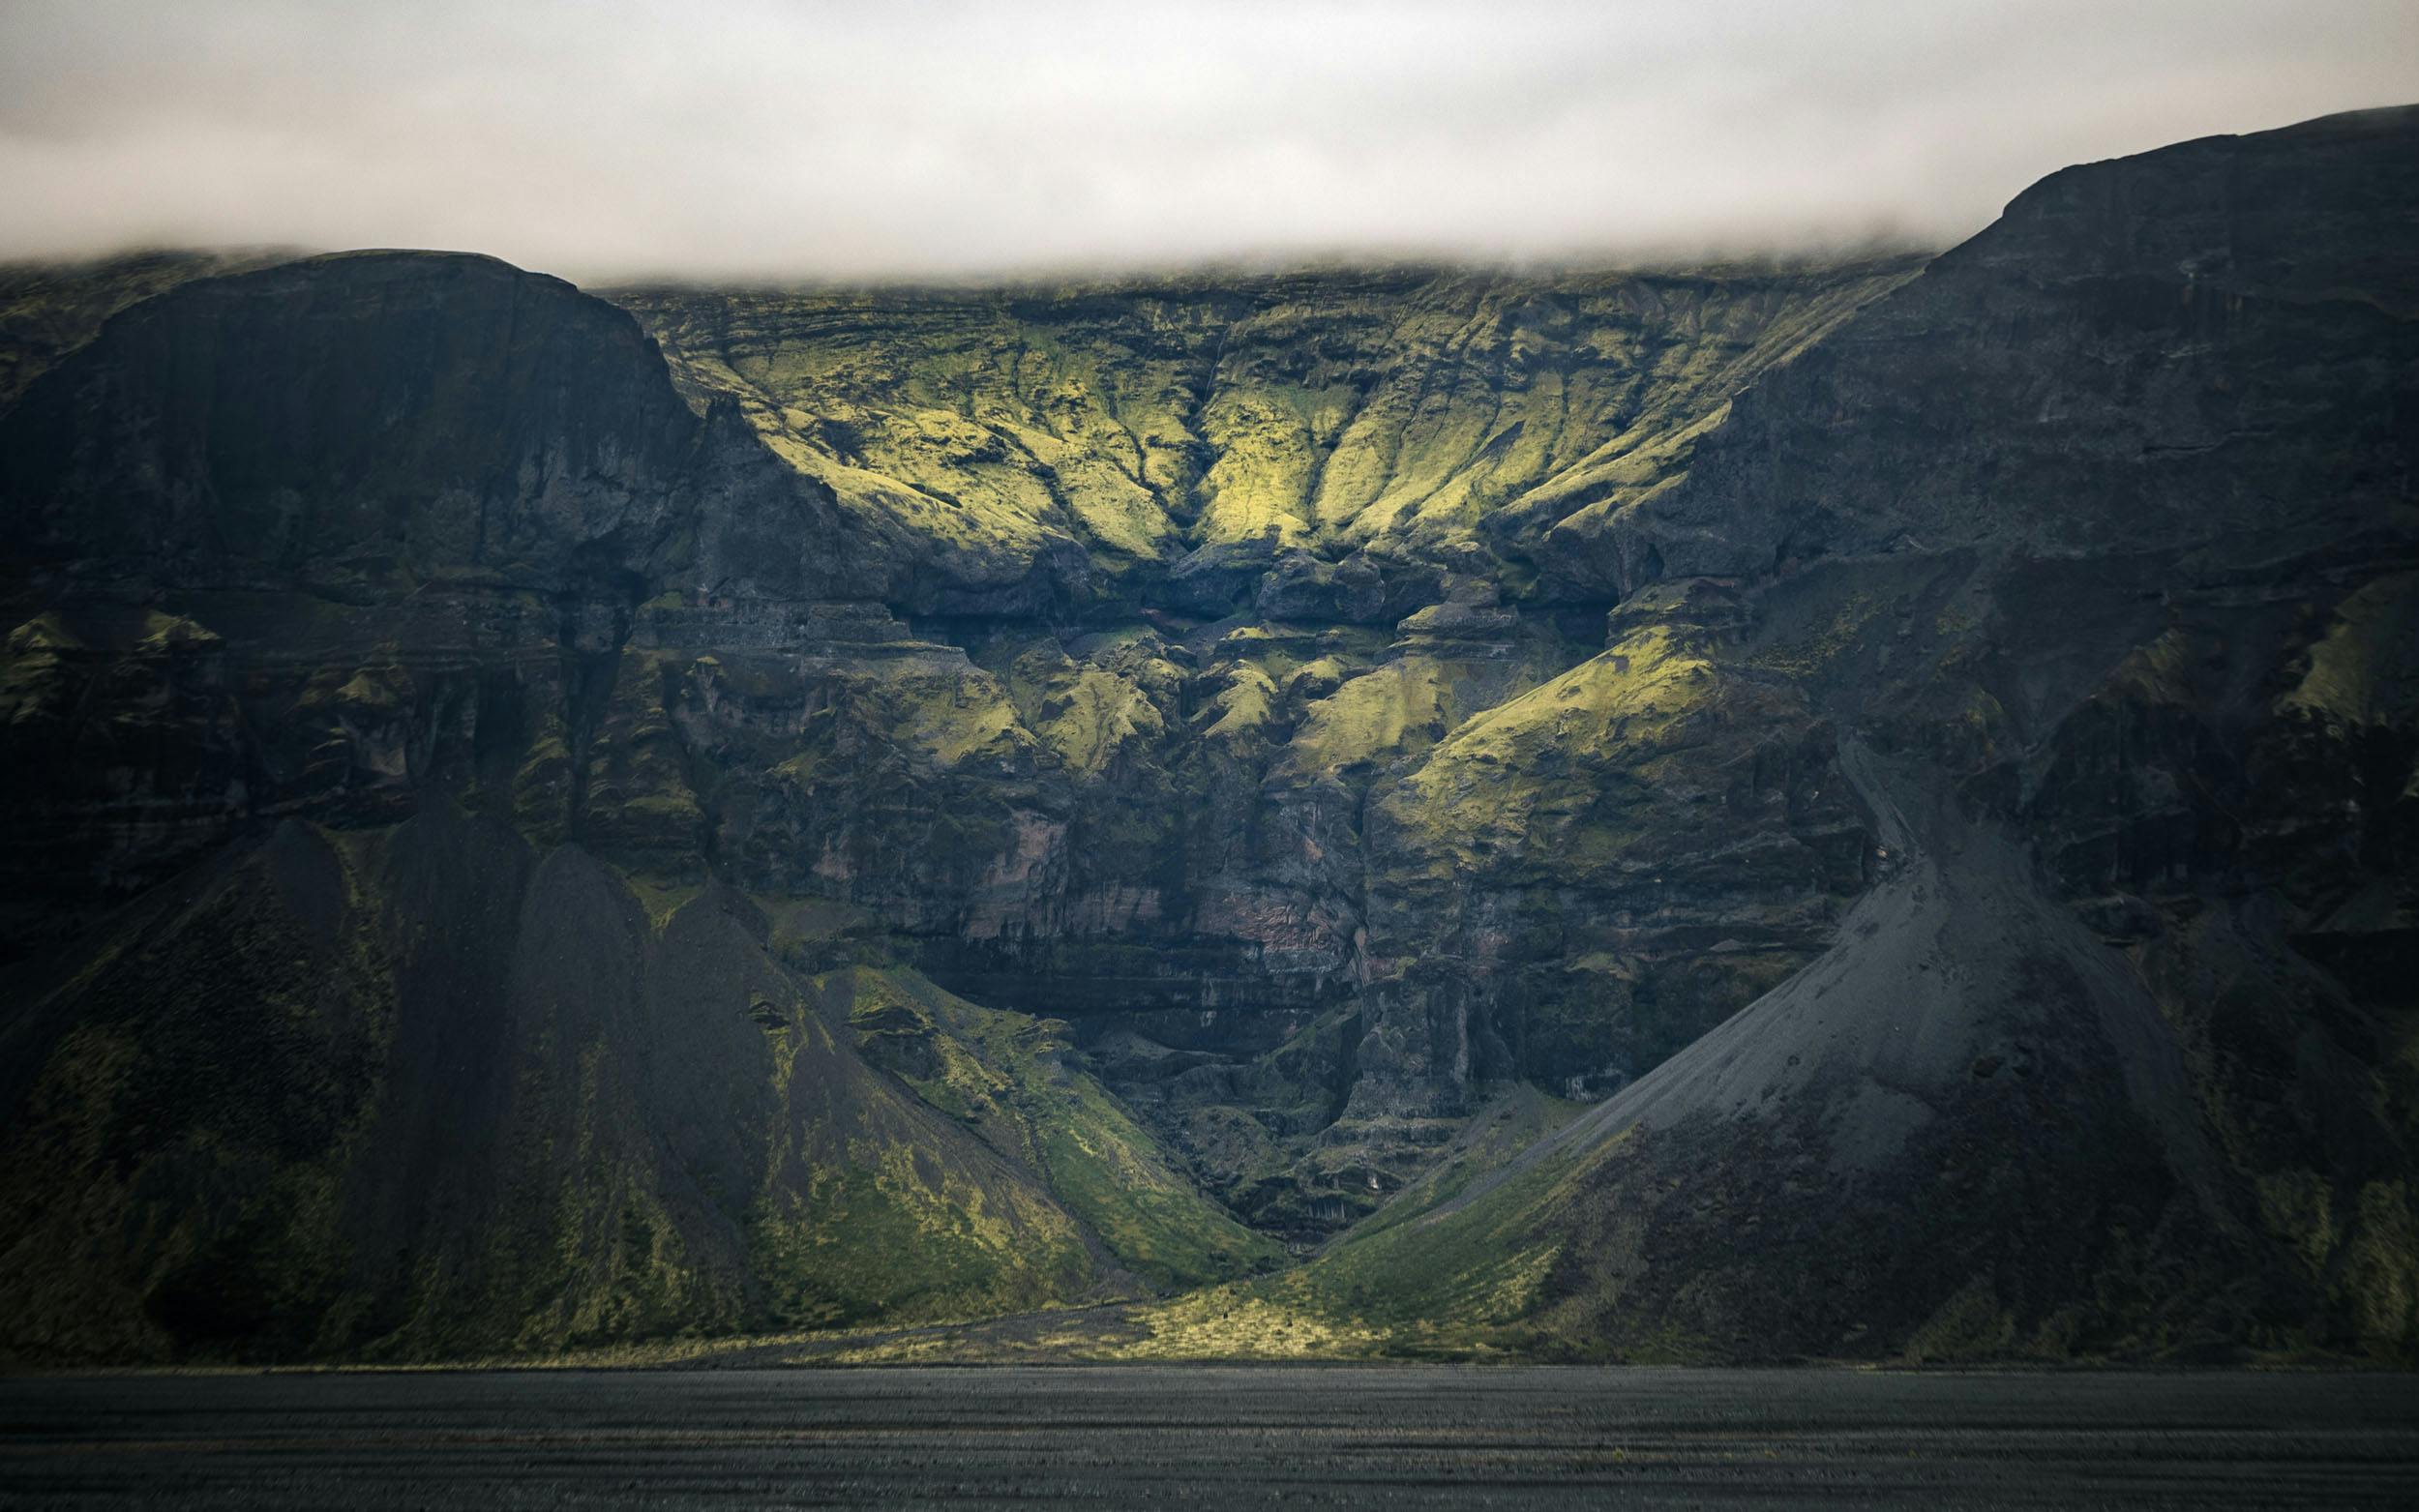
{"x":2085,"y":1070}
{"x":2011,"y":689}
{"x":417,"y":1092}
{"x":2086,"y":556}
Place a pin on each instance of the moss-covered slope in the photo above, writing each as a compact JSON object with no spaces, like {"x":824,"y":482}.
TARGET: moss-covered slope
{"x":421,"y":1093}
{"x":1314,"y":446}
{"x":763,"y":810}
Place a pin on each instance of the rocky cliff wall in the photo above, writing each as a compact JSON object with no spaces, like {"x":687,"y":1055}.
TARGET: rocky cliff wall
{"x":1347,"y":702}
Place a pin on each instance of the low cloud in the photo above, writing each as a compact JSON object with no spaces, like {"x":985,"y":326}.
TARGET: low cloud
{"x":755,"y":140}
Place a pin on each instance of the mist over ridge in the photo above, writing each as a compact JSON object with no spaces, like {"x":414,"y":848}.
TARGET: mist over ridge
{"x":768,"y":142}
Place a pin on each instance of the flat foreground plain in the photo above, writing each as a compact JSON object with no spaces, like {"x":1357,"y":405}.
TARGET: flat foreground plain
{"x":1210,"y":1437}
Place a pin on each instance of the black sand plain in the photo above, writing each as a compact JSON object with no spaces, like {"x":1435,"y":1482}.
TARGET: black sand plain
{"x":1210,"y":1437}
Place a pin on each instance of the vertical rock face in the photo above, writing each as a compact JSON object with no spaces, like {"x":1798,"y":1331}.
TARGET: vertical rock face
{"x":550,"y":767}
{"x":357,"y":421}
{"x":319,"y":538}
{"x":2094,"y":542}
{"x":1229,"y":564}
{"x":2127,"y":361}
{"x":367,"y":1073}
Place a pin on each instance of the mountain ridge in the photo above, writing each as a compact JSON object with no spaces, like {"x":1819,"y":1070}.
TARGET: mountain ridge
{"x":1356,"y":713}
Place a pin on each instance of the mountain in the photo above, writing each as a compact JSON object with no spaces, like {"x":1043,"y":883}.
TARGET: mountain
{"x":1751,"y":812}
{"x":2094,"y":543}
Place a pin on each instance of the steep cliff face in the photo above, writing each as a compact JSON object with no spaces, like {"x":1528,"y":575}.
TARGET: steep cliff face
{"x":420,"y":1091}
{"x":428,"y":1030}
{"x":311,"y":538}
{"x":418,"y":414}
{"x":1229,"y":564}
{"x":646,"y":816}
{"x":48,"y":309}
{"x":2093,"y":543}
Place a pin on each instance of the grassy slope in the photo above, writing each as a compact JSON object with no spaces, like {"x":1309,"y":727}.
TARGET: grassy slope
{"x":1013,"y":1078}
{"x":1425,"y":1277}
{"x":1391,"y":411}
{"x":684,"y":1140}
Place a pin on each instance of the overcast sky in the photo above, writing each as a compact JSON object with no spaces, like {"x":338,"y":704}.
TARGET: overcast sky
{"x":759,"y":138}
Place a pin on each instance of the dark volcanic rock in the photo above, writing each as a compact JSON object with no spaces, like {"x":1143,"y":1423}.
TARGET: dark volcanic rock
{"x":1354,"y":707}
{"x":309,"y":537}
{"x":420,"y":1092}
{"x":2160,"y":353}
{"x":363,"y":421}
{"x":2097,"y":537}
